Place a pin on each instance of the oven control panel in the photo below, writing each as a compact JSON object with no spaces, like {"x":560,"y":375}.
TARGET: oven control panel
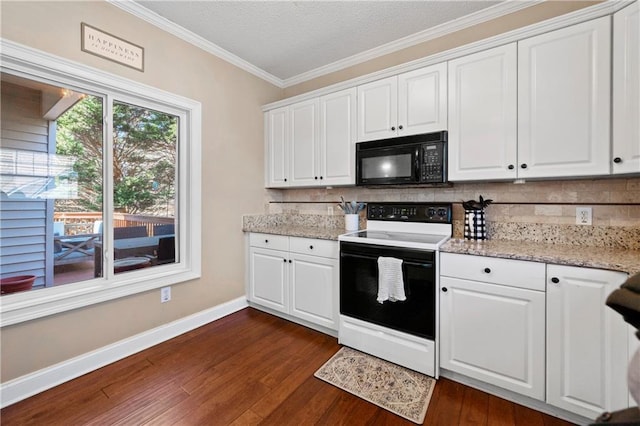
{"x":410,"y":212}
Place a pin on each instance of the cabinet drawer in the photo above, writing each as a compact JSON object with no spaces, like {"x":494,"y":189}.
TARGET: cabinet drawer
{"x":314,"y":247}
{"x":271,"y":241}
{"x":514,"y":273}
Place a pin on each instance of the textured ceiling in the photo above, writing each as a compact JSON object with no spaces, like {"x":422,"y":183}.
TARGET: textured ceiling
{"x":288,"y":38}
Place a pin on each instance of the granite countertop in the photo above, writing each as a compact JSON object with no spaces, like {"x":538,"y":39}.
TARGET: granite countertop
{"x":320,"y":233}
{"x":330,"y":227}
{"x":591,"y":257}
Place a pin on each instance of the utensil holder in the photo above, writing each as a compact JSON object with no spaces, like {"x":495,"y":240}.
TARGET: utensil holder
{"x":351,"y":222}
{"x":474,"y":225}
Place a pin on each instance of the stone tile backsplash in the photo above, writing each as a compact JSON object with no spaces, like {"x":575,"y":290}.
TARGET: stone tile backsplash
{"x":510,"y":219}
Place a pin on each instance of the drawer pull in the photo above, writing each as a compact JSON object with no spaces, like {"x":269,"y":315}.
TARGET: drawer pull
{"x":289,"y":260}
{"x":487,"y":270}
{"x":266,"y":241}
{"x":444,"y":289}
{"x":555,"y":280}
{"x":284,"y":260}
{"x":310,"y":247}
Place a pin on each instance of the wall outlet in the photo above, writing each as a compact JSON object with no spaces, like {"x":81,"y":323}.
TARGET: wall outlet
{"x":165,"y":294}
{"x":583,"y":216}
{"x":330,"y":210}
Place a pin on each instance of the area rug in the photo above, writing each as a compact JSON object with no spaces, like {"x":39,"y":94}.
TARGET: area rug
{"x":399,"y":390}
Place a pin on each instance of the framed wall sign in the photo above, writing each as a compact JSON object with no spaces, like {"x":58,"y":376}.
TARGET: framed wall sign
{"x":105,"y":45}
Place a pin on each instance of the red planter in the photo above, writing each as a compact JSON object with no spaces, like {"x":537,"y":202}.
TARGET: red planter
{"x":15,"y":284}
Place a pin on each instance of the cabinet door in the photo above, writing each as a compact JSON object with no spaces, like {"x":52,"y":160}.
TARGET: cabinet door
{"x":338,"y":138}
{"x":314,"y":289}
{"x":626,"y":90}
{"x":634,"y":345}
{"x":493,"y":333}
{"x":304,"y":140}
{"x":268,"y":279}
{"x":422,"y":100}
{"x":587,"y":353}
{"x":564,"y":101}
{"x":483,"y":115}
{"x":378,"y":109}
{"x":277,"y":140}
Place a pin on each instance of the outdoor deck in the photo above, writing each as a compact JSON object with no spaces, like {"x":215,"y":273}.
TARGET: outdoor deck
{"x":83,"y":224}
{"x":66,"y":274}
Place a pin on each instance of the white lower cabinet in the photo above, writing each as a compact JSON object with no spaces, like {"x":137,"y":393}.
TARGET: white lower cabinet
{"x":587,"y":342}
{"x":269,"y":279}
{"x":491,"y":331}
{"x":295,"y":276}
{"x":314,"y":294}
{"x":542,"y":331}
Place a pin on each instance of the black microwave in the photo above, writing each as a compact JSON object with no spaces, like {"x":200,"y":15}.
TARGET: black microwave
{"x":416,"y":159}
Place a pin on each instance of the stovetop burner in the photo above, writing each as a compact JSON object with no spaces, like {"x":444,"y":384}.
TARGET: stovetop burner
{"x":399,"y":236}
{"x":415,"y":225}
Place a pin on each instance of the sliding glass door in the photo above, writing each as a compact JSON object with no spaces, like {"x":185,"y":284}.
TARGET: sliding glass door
{"x":62,"y":168}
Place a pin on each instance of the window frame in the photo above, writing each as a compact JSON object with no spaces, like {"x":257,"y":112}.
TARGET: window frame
{"x":30,"y":63}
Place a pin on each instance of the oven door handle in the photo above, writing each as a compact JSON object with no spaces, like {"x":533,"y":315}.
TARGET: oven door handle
{"x":358,"y":256}
{"x":428,"y":265}
{"x":375,"y":258}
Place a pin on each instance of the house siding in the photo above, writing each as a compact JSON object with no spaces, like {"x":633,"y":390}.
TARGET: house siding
{"x":23,"y":221}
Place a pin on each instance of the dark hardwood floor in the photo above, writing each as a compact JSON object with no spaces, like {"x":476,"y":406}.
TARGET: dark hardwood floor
{"x":247,"y":368}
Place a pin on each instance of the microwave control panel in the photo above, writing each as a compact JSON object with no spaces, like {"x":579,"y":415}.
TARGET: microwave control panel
{"x":433,"y":162}
{"x":410,"y":212}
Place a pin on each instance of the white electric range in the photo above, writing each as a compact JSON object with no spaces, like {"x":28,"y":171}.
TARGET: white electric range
{"x":400,"y":331}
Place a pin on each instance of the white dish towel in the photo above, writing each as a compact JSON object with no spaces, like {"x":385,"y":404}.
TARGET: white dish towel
{"x":390,"y":282}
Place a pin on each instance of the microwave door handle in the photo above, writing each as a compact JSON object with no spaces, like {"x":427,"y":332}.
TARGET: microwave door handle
{"x":416,"y":165}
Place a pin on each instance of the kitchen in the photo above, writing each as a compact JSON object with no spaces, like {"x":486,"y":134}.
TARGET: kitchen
{"x":223,"y":279}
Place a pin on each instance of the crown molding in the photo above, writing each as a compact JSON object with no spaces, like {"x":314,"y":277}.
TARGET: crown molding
{"x":164,"y":24}
{"x":592,"y":12}
{"x":484,"y":15}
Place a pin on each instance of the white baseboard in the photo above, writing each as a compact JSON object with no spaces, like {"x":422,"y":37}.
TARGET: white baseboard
{"x":30,"y":384}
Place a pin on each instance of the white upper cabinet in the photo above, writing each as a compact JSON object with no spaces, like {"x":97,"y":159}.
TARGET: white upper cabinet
{"x":312,"y":143}
{"x":626,"y":90}
{"x":483,"y":115}
{"x":277,"y":147}
{"x":378,"y":109}
{"x":336,"y":156}
{"x":304,"y":131}
{"x":422,"y":100}
{"x":408,"y":104}
{"x":564,"y":101}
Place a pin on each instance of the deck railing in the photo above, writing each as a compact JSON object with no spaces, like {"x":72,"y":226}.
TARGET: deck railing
{"x":83,"y":222}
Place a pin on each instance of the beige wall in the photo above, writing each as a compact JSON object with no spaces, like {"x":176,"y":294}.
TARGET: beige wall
{"x":232,"y":160}
{"x":522,"y":18}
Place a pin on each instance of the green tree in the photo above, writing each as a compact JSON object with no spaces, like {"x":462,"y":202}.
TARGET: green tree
{"x":144,"y":155}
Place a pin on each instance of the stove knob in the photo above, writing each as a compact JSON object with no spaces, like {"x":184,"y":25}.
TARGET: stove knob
{"x":431,"y":212}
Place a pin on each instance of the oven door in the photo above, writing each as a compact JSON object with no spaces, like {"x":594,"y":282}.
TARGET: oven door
{"x":359,"y":288}
{"x":387,"y":165}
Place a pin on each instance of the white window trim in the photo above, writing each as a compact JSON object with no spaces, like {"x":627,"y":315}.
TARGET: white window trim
{"x":25,"y":306}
